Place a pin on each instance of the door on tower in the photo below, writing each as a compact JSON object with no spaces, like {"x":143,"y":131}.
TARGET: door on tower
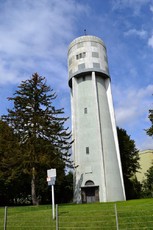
{"x":90,"y":195}
{"x":90,"y":192}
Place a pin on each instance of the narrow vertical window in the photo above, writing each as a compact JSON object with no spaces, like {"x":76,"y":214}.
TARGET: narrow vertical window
{"x":81,"y":55}
{"x":85,"y":111}
{"x":87,"y":150}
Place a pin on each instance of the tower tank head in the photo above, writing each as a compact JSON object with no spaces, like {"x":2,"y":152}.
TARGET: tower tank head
{"x":87,"y":54}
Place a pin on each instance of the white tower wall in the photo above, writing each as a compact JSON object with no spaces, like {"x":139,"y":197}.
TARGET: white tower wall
{"x":98,"y":173}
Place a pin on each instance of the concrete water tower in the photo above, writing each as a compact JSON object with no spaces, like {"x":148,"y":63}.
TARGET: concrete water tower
{"x":98,"y":172}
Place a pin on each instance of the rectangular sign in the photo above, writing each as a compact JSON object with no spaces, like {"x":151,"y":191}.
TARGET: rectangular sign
{"x":51,"y":181}
{"x":51,"y":173}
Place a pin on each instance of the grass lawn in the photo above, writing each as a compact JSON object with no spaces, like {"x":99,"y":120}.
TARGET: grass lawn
{"x":28,"y":218}
{"x":134,"y":214}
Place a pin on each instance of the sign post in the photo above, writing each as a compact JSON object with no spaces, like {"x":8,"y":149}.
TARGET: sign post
{"x":51,"y":178}
{"x":53,"y":203}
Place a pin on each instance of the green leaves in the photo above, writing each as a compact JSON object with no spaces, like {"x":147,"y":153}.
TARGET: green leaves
{"x":150,"y":130}
{"x":148,"y":183}
{"x":129,"y":153}
{"x":130,"y":162}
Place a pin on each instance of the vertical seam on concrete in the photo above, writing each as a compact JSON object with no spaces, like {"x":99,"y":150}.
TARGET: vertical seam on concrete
{"x":113,"y":123}
{"x":100,"y":131}
{"x":74,"y":98}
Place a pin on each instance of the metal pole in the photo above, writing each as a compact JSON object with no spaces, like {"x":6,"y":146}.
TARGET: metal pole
{"x":56,"y":216}
{"x":117,"y":227}
{"x":53,"y":203}
{"x":5,"y":218}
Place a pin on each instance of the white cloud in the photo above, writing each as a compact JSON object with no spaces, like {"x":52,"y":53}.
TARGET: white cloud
{"x":140,"y":33}
{"x":151,"y":8}
{"x":135,"y":5}
{"x":150,"y":41}
{"x":132,"y":109}
{"x":125,"y":115}
{"x":32,"y":32}
{"x":146,"y":143}
{"x":132,"y":104}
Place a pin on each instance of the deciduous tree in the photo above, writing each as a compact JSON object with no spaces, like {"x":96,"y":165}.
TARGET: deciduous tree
{"x":130,"y":162}
{"x":148,"y":183}
{"x":150,"y":130}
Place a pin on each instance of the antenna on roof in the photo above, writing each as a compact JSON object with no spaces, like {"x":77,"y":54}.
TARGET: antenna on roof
{"x":85,"y":32}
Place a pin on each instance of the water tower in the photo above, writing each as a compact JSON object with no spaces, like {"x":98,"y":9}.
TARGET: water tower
{"x":97,"y":173}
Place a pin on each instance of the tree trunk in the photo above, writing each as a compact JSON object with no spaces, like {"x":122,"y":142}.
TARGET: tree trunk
{"x":33,"y":187}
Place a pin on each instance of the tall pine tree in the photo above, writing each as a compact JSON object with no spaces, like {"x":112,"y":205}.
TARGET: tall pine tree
{"x":40,"y":128}
{"x":10,"y":166}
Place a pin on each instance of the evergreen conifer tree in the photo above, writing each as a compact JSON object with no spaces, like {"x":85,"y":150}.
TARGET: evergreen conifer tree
{"x":40,"y":128}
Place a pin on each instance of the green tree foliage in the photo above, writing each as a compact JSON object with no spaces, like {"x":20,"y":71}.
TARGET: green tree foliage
{"x":130,"y":163}
{"x":64,"y":192}
{"x":148,"y":183}
{"x":40,"y":127}
{"x":13,"y":183}
{"x":150,"y":130}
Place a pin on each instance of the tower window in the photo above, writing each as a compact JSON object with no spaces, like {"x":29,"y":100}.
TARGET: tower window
{"x":105,"y":58}
{"x":70,"y":61}
{"x":89,"y":182}
{"x":107,"y":69}
{"x":95,"y":54}
{"x":70,"y":72}
{"x":85,"y":111}
{"x":79,"y":45}
{"x":81,"y":55}
{"x":93,"y":43}
{"x":87,"y":150}
{"x":81,"y":66}
{"x":96,"y":65}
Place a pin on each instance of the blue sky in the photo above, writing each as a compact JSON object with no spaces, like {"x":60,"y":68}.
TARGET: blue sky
{"x":34,"y":37}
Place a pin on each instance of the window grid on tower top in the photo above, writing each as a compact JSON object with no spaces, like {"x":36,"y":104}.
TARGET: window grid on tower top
{"x":81,"y":55}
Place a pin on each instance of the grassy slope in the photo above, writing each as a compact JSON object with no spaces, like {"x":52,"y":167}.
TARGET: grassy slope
{"x":134,"y":214}
{"x":28,"y":218}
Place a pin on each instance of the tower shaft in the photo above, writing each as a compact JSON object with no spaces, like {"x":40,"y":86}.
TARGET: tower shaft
{"x":98,"y":173}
